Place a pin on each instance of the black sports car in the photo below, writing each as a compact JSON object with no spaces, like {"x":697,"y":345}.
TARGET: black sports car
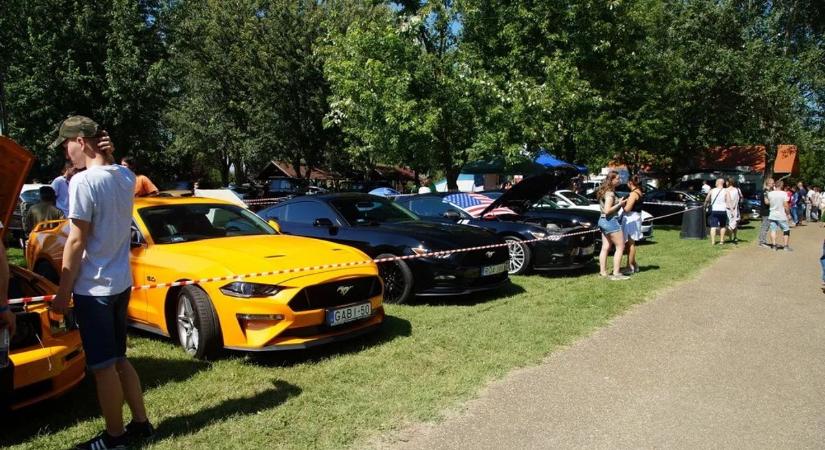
{"x":564,"y":253}
{"x":380,"y":228}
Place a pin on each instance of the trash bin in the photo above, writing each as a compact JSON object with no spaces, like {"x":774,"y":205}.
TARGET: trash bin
{"x":694,"y":222}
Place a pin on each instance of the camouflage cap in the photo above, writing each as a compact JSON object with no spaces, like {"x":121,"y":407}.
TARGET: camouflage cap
{"x":75,"y":126}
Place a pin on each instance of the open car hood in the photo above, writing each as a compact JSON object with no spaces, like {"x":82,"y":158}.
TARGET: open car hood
{"x":530,"y":190}
{"x":15,"y":163}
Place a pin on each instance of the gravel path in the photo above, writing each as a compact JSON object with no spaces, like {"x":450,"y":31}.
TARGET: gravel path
{"x":732,"y":359}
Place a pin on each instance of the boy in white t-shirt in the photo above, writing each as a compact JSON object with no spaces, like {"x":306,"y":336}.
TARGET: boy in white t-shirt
{"x":779,"y":213}
{"x":97,"y":274}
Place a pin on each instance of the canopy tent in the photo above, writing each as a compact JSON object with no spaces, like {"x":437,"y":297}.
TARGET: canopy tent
{"x":548,"y":160}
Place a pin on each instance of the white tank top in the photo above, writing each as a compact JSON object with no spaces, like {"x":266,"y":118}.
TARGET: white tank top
{"x":734,"y":196}
{"x":717,"y":196}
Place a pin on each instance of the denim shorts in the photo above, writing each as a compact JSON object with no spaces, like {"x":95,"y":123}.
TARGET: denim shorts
{"x":780,"y":224}
{"x":102,"y":322}
{"x":609,"y":226}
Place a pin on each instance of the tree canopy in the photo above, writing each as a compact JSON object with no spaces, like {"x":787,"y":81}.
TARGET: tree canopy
{"x":212,"y":89}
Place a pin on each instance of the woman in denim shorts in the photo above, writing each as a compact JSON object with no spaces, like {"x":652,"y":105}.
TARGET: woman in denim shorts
{"x":610,"y":226}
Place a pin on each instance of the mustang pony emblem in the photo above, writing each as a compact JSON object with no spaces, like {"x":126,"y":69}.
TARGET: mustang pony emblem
{"x":490,"y":254}
{"x":343,"y":290}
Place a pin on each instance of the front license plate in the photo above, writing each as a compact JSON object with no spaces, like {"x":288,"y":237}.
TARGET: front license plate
{"x":584,"y":251}
{"x":492,"y":270}
{"x":340,"y":316}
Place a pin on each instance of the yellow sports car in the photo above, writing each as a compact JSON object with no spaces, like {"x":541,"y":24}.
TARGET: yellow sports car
{"x":185,"y":239}
{"x":45,"y":354}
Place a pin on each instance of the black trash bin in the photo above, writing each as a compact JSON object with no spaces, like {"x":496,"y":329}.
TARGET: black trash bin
{"x":694,"y":222}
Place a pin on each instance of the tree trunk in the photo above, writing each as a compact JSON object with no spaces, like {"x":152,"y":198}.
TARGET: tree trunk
{"x":452,"y":178}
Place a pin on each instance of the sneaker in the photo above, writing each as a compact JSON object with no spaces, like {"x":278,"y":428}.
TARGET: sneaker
{"x":139,"y":430}
{"x":103,"y":442}
{"x":764,"y":245}
{"x":619,"y":277}
{"x":787,"y":249}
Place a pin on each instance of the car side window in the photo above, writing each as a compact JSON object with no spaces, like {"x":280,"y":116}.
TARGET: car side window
{"x":429,"y":207}
{"x":674,"y":197}
{"x":307,"y":212}
{"x":276,"y":213}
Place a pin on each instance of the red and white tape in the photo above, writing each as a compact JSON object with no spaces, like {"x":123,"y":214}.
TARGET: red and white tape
{"x":553,"y":237}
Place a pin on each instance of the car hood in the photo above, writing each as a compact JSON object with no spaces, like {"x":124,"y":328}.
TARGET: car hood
{"x":441,"y":236}
{"x":252,"y":254}
{"x":15,"y":163}
{"x":530,"y":190}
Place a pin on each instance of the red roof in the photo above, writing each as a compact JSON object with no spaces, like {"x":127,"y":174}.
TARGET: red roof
{"x":787,"y":160}
{"x":752,"y":156}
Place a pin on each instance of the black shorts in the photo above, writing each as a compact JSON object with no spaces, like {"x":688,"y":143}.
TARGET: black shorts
{"x":718,"y":219}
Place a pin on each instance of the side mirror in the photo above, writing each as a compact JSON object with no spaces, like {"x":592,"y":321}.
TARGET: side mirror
{"x":136,"y":240}
{"x":323,"y":222}
{"x":274,"y":224}
{"x":451,"y":215}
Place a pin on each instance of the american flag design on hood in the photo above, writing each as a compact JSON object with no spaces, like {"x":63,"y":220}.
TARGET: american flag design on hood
{"x":474,"y":204}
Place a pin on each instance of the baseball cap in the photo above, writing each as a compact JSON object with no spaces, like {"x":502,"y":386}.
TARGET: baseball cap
{"x":75,"y":126}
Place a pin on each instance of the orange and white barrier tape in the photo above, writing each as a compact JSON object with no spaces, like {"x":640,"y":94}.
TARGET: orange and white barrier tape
{"x":552,"y":237}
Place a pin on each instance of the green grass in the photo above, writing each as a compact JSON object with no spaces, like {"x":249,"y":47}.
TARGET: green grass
{"x":428,"y":358}
{"x":16,"y":256}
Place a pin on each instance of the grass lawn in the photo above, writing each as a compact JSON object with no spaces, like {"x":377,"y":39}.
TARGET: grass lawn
{"x":428,"y":358}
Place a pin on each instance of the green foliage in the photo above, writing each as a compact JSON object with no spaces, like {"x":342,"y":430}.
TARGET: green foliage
{"x":82,"y":57}
{"x":194,"y":87}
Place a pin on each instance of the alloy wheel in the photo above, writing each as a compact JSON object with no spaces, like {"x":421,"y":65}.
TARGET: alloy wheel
{"x":187,"y":330}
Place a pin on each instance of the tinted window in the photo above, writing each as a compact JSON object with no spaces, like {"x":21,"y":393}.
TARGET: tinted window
{"x":430,"y":207}
{"x":276,"y":213}
{"x":368,"y":210}
{"x":674,"y":197}
{"x":306,"y":212}
{"x":185,"y":223}
{"x":545,"y":203}
{"x":577,"y":199}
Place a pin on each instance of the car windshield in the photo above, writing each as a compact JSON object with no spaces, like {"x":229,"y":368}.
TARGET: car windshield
{"x":369,"y":211}
{"x":577,"y":199}
{"x":170,"y":224}
{"x":545,"y":203}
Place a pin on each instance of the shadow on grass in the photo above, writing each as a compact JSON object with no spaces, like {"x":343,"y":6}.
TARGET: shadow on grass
{"x":392,"y":328}
{"x":80,"y":404}
{"x":508,"y":290}
{"x":192,"y":423}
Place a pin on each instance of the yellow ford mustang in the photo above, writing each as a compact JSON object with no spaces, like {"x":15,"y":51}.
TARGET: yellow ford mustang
{"x":179,"y":239}
{"x":46,"y":357}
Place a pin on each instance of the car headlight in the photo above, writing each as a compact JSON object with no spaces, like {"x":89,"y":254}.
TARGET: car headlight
{"x":586,"y":224}
{"x":538,"y":234}
{"x":552,"y":227}
{"x":423,"y":251}
{"x":243,"y":289}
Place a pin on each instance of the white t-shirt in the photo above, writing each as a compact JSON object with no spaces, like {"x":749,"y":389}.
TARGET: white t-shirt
{"x":777,"y":201}
{"x":103,"y":196}
{"x":717,"y":196}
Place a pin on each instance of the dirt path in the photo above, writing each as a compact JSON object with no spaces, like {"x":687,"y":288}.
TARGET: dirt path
{"x":732,"y":359}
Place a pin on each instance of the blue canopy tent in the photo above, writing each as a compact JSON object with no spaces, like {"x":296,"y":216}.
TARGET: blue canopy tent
{"x":548,"y":160}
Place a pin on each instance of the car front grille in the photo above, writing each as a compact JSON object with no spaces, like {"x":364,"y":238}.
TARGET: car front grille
{"x":337,"y":293}
{"x":29,"y":331}
{"x":484,"y":257}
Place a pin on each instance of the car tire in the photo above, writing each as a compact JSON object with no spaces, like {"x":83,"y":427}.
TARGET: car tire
{"x":45,"y":270}
{"x":397,"y":278}
{"x":521,"y":256}
{"x":196,"y":323}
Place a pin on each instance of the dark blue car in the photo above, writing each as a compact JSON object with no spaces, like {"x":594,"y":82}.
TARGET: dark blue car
{"x":381,"y":228}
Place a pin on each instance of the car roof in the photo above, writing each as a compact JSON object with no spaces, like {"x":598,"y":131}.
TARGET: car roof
{"x":147,"y":202}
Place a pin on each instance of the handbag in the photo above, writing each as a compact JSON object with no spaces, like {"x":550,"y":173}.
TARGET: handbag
{"x":709,"y":206}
